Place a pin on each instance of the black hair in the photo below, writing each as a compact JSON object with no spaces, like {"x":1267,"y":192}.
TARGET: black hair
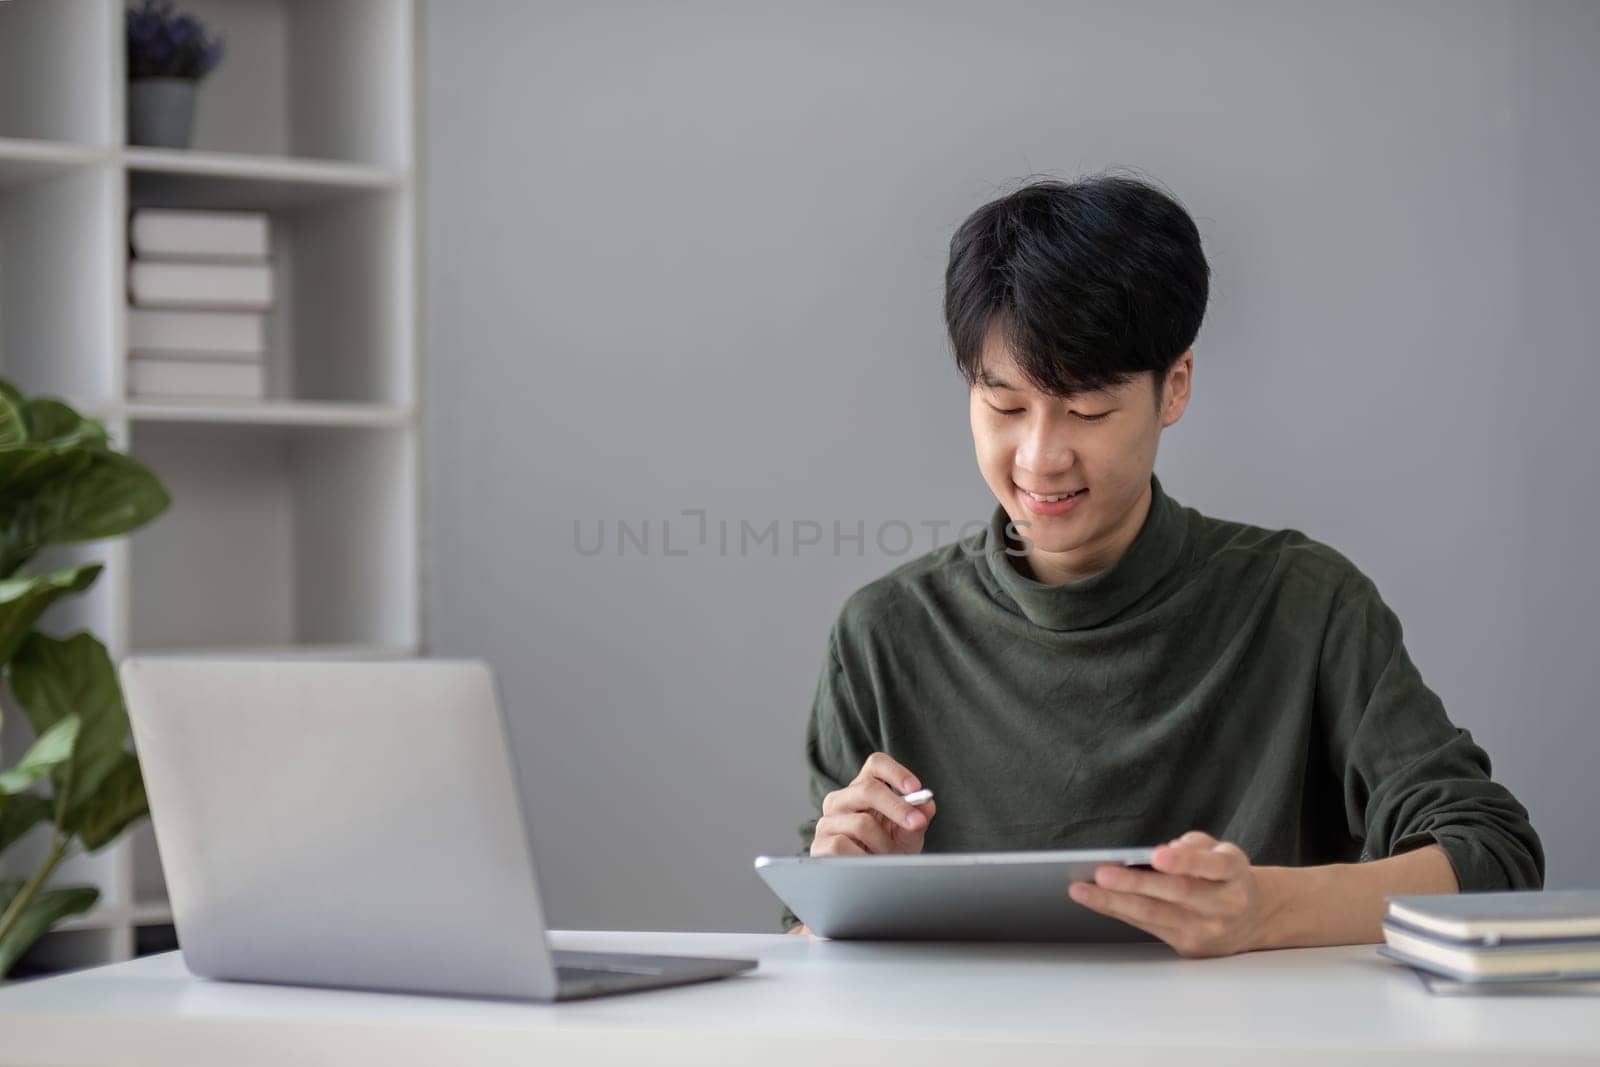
{"x":1093,"y":282}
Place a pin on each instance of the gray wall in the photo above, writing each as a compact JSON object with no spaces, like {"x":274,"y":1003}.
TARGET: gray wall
{"x":690,"y":256}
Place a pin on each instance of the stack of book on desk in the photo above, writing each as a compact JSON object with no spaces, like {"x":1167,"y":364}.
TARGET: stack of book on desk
{"x":199,"y":287}
{"x":1547,"y":942}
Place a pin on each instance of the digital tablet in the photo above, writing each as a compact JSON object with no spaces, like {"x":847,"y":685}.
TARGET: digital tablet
{"x":951,"y":896}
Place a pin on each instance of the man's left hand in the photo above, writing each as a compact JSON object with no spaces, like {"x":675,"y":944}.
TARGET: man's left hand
{"x":1203,"y":898}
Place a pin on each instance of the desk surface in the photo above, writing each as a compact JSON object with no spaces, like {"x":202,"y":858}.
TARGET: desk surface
{"x":813,"y":1002}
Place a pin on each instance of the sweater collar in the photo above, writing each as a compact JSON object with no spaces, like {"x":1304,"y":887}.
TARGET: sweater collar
{"x":1099,"y":597}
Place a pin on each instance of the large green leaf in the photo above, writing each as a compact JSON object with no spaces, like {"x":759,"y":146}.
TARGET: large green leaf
{"x":55,"y":679}
{"x":52,"y":749}
{"x":117,"y":804}
{"x":19,"y":814}
{"x":110,"y":496}
{"x":43,"y":912}
{"x":23,"y":600}
{"x":24,"y":469}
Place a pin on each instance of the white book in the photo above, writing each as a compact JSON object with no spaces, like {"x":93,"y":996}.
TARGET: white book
{"x":159,"y":232}
{"x":192,"y":379}
{"x":1545,"y":960}
{"x":164,"y":331}
{"x":1501,"y":916}
{"x":157,"y":283}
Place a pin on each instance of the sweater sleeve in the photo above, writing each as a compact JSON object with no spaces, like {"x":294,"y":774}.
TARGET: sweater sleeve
{"x":1410,"y":776}
{"x":838,"y":742}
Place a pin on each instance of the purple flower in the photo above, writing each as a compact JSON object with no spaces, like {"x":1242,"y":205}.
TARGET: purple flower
{"x":164,"y":44}
{"x":141,"y":28}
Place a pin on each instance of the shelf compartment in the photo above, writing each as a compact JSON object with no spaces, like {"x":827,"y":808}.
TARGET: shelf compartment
{"x":60,"y":282}
{"x":276,"y":538}
{"x":308,"y":78}
{"x":58,"y":65}
{"x":341,"y":328}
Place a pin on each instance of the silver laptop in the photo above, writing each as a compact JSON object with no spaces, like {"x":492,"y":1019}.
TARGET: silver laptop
{"x":356,"y":825}
{"x":951,"y":896}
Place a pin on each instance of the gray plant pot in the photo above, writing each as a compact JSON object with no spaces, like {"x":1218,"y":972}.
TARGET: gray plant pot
{"x":160,"y":112}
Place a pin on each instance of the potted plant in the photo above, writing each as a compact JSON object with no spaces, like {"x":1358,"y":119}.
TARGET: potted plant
{"x":168,"y":54}
{"x":78,"y":785}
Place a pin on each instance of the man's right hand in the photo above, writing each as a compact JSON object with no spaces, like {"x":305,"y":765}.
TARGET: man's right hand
{"x":867,"y":817}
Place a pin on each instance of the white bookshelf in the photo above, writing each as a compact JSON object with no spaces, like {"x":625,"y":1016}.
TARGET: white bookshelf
{"x":294,"y":529}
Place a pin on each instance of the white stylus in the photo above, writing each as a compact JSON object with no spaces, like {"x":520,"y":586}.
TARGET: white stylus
{"x":921,"y":796}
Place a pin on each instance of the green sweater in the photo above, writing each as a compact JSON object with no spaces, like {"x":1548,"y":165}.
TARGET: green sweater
{"x":1219,"y":677}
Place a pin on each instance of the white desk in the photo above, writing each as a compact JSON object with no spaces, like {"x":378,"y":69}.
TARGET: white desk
{"x":815,"y":1003}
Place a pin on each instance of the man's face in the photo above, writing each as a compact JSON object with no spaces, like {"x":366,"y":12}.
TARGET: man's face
{"x":1099,"y":446}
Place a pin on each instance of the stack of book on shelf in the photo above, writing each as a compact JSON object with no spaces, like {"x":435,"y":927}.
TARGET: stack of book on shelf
{"x":1526,"y":942}
{"x":199,"y":288}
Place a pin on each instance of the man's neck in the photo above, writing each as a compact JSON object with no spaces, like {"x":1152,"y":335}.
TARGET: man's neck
{"x":1086,"y":561}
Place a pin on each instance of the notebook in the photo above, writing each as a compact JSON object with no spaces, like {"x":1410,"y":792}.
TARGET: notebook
{"x":1544,"y":959}
{"x":1489,"y":918}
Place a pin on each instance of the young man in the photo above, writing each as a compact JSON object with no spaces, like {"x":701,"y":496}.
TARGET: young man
{"x":1106,"y":667}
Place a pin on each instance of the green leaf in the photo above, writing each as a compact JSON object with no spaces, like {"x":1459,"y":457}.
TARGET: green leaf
{"x":23,"y":469}
{"x":24,"y":600}
{"x":55,"y":679}
{"x":20,"y":814}
{"x":117,"y":804}
{"x":110,"y":496}
{"x":53,"y":748}
{"x":43,"y":912}
{"x":53,"y":423}
{"x":47,"y":420}
{"x":13,"y":424}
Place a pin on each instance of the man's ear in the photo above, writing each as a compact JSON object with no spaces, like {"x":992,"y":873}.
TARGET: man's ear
{"x":1176,"y":389}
